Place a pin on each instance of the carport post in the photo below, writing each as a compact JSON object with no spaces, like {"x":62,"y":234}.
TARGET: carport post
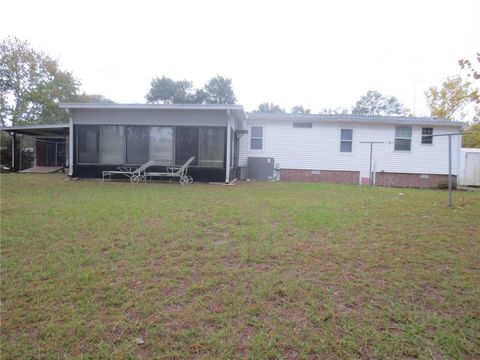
{"x":450,"y":170}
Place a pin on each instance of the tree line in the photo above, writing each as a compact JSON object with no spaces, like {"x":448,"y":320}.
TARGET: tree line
{"x":32,"y":84}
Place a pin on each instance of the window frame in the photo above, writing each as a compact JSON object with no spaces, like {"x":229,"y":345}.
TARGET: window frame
{"x":173,"y":142}
{"x":98,"y":129}
{"x":395,"y":138}
{"x":430,"y":136}
{"x":77,"y":145}
{"x":350,"y":141}
{"x":224,"y":145}
{"x":302,"y":125}
{"x":124,"y":146}
{"x":256,"y":137}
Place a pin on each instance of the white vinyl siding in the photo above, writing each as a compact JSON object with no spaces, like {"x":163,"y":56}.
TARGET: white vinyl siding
{"x":318,"y":148}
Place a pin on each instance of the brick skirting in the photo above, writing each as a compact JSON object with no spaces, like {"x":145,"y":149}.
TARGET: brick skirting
{"x":328,"y":176}
{"x":353,"y":177}
{"x":412,"y":180}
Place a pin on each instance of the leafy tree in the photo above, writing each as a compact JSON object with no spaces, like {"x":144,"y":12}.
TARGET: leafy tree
{"x":450,"y":99}
{"x":335,"y":111}
{"x":32,"y":85}
{"x":93,"y":98}
{"x":218,"y":90}
{"x":269,"y":108}
{"x":299,"y":110}
{"x":167,"y":91}
{"x":472,"y":137}
{"x":375,"y":103}
{"x":467,"y":65}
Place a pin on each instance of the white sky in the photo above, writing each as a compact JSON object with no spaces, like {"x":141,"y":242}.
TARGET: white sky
{"x":315,"y":53}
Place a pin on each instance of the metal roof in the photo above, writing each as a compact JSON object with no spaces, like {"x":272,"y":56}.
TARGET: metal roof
{"x":236,"y":110}
{"x":150,"y":106}
{"x":365,"y":119}
{"x":47,"y":130}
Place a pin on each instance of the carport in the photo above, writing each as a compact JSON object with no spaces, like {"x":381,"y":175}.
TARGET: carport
{"x":50,"y":148}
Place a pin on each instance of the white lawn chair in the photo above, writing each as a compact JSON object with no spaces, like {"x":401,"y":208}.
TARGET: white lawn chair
{"x":135,"y":175}
{"x":175,"y":172}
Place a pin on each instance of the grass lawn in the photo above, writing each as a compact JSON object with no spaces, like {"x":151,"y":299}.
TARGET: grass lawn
{"x":257,"y":270}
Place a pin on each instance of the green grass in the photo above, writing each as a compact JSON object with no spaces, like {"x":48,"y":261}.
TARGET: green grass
{"x":257,"y":270}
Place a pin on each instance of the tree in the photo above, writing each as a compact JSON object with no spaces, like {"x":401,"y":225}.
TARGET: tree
{"x":450,"y":99}
{"x":93,"y":98}
{"x":167,"y":91}
{"x":467,"y":65}
{"x":32,"y":85}
{"x":472,"y":138}
{"x":218,"y":90}
{"x":335,"y":111}
{"x":298,"y":109}
{"x":269,"y":108}
{"x":375,"y":103}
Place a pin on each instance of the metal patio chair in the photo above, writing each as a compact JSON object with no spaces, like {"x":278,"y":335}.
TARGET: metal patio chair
{"x":175,"y":172}
{"x":135,"y":175}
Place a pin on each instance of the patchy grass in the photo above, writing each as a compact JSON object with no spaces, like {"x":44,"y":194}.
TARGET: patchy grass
{"x":259,"y":270}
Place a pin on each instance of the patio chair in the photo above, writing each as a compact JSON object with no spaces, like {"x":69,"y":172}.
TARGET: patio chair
{"x":135,"y":175}
{"x":175,"y":172}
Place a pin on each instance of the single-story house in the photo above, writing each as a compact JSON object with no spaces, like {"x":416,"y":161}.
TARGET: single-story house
{"x":228,"y":144}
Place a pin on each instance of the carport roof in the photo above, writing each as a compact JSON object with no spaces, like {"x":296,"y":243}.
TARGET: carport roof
{"x":43,"y":130}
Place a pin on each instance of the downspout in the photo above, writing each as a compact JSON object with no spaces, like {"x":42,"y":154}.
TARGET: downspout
{"x":70,"y":144}
{"x":229,"y":142}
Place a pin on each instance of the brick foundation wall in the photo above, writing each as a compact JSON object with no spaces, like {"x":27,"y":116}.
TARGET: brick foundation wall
{"x":328,"y":176}
{"x":412,"y":180}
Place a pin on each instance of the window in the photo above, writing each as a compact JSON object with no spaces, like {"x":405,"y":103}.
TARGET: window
{"x":112,"y":145}
{"x":302,"y":125}
{"x":88,"y":144}
{"x":346,"y":140}
{"x":186,"y":144}
{"x":161,"y":145}
{"x":211,"y":147}
{"x":403,"y":138}
{"x":137,"y":144}
{"x":426,"y":139}
{"x":256,"y":138}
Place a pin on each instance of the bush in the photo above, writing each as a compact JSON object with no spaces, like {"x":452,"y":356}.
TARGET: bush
{"x":443,"y":185}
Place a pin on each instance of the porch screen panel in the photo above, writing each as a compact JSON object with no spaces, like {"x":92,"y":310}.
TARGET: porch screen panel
{"x":186,"y":144}
{"x":88,"y":144}
{"x":112,"y":144}
{"x":212,"y":147}
{"x":137,"y":144}
{"x":161,"y":145}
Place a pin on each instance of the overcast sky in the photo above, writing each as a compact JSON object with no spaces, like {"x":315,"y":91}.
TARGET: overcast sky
{"x":319,"y":54}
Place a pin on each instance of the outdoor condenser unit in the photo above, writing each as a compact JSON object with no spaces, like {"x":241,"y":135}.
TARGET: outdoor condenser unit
{"x":260,"y":168}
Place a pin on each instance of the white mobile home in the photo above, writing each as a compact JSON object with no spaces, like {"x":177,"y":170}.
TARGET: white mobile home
{"x":228,"y":143}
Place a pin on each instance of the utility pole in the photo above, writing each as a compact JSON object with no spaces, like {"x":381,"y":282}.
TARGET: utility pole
{"x":370,"y":177}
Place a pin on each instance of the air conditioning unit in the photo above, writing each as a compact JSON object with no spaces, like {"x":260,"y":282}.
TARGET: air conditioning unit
{"x":260,"y":168}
